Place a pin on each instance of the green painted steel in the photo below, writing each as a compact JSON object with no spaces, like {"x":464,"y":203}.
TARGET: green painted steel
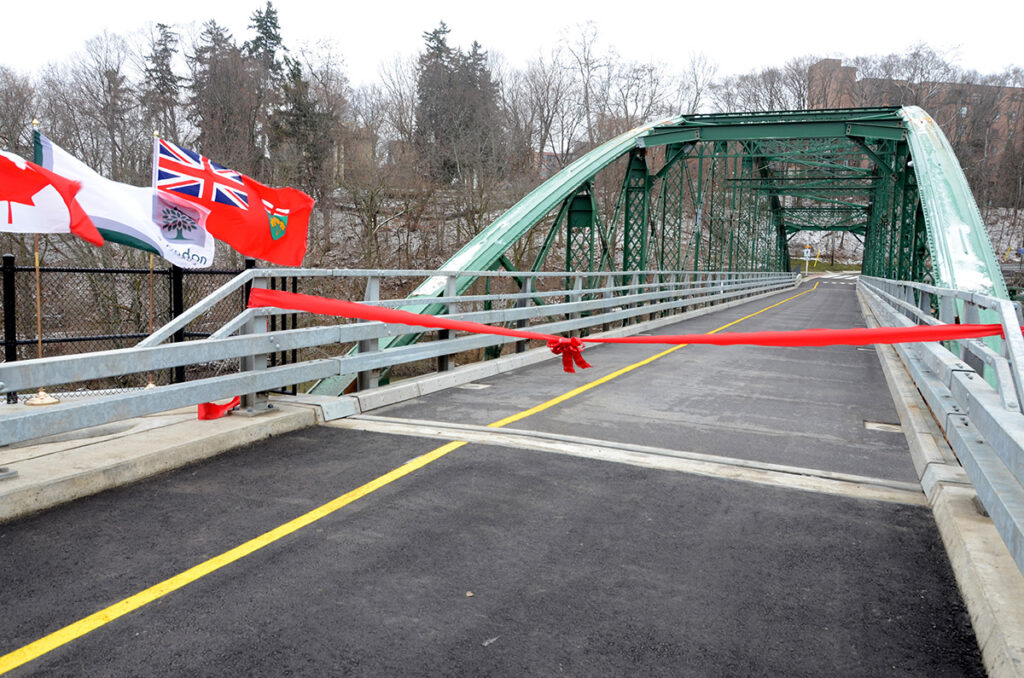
{"x":959,"y":246}
{"x":803,"y":170}
{"x":729,"y":192}
{"x":636,"y":198}
{"x":580,"y":228}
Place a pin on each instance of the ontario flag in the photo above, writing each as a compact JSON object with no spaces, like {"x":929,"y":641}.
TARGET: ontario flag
{"x":256,"y":220}
{"x":40,"y":201}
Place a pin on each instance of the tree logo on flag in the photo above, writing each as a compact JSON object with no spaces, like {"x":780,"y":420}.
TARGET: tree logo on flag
{"x":173,"y":219}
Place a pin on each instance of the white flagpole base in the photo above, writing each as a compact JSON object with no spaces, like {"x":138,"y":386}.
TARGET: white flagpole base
{"x":42,"y":398}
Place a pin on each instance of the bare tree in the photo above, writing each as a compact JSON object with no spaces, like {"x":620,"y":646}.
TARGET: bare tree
{"x":17,"y":102}
{"x":591,"y":71}
{"x":695,"y":83}
{"x":638,"y":93}
{"x":398,"y":80}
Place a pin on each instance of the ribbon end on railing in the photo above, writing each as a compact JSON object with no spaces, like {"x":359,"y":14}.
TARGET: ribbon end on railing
{"x":207,"y":411}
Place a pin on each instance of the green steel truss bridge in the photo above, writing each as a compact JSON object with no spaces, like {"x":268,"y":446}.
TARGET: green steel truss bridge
{"x":689,"y":218}
{"x":728,"y":192}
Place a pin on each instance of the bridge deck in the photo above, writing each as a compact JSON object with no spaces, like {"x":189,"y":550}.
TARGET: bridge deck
{"x":717,"y":511}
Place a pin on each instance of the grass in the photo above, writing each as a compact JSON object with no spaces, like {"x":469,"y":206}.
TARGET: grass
{"x":822,"y":266}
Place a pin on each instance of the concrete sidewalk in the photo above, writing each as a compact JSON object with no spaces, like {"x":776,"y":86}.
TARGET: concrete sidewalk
{"x":55,"y":470}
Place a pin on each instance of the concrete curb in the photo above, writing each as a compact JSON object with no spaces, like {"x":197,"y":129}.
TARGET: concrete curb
{"x":990,"y":582}
{"x":89,"y":466}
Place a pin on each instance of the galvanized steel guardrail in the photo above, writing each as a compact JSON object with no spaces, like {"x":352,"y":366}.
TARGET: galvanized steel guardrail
{"x":583,"y":301}
{"x":974,"y":390}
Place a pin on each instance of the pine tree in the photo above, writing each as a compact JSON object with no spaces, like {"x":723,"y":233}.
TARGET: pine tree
{"x":456,"y":112}
{"x":161,"y":86}
{"x":267,"y":43}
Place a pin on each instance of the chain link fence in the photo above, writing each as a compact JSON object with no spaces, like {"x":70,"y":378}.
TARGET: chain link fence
{"x":82,"y":310}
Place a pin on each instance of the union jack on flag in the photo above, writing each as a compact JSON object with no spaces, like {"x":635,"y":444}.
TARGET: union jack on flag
{"x":190,"y":174}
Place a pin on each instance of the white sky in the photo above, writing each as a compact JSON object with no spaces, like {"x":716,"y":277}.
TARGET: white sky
{"x":740,"y":36}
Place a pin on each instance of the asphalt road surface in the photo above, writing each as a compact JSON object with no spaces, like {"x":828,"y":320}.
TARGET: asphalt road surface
{"x":643,"y":527}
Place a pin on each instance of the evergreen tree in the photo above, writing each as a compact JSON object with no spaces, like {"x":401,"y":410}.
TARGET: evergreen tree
{"x":457,"y":121}
{"x":434,"y":104}
{"x":263,"y":53}
{"x":223,"y":103}
{"x":267,"y":43}
{"x":161,"y":87}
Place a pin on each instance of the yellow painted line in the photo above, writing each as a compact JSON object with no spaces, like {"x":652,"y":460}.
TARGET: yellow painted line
{"x":94,"y":621}
{"x":618,"y":373}
{"x":83,"y":626}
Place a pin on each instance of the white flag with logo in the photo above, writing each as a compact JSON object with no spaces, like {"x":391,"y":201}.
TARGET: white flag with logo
{"x":136,"y":216}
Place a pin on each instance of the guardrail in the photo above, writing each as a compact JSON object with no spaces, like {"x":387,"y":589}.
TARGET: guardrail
{"x":579,"y":302}
{"x":982,"y":421}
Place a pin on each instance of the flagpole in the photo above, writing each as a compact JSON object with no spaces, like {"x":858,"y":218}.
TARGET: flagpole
{"x":150,"y":376}
{"x":42,"y":397}
{"x":156,"y":135}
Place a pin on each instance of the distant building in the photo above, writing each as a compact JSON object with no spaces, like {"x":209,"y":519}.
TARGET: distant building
{"x":984,"y":123}
{"x":548,"y":164}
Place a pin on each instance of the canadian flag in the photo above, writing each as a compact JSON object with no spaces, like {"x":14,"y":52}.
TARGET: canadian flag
{"x":35,"y":200}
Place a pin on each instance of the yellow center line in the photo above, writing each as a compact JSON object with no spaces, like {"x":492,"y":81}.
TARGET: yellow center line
{"x":85,"y":625}
{"x":629,"y":368}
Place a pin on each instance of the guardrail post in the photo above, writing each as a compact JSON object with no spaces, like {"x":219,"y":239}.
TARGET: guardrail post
{"x":255,"y":403}
{"x":576,"y":295}
{"x":609,"y":293}
{"x":972,"y":316}
{"x":1013,"y":347}
{"x":925,"y":302}
{"x":368,"y":378}
{"x":634,"y":281}
{"x":443,"y":361}
{"x":947,"y":310}
{"x":10,"y":319}
{"x":526,"y":290}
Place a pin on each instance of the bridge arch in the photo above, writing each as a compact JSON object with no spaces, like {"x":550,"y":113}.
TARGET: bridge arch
{"x":727,"y":192}
{"x":730,"y":190}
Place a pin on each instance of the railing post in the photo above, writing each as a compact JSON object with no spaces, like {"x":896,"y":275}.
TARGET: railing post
{"x":368,"y":378}
{"x":634,"y":281}
{"x":255,"y":403}
{"x":609,"y":293}
{"x":524,"y":302}
{"x":443,"y":361}
{"x":972,"y":316}
{"x":1013,"y":346}
{"x":652,"y":284}
{"x":10,"y":319}
{"x":576,"y":295}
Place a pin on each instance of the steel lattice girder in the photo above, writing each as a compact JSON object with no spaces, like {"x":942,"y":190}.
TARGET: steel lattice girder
{"x":922,"y":221}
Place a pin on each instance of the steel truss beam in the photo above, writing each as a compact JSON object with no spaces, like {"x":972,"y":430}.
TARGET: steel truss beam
{"x":727,"y":191}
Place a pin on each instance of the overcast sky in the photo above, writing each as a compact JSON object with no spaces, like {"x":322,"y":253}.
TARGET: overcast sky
{"x":739,"y":36}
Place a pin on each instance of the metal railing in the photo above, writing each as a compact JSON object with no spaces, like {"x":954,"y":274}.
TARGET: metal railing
{"x":562,"y":302}
{"x":94,"y":309}
{"x":981,"y":417}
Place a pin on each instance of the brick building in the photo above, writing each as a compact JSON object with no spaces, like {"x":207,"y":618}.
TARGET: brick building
{"x":983,"y":122}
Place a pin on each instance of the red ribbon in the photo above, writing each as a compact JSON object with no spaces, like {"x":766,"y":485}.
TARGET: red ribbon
{"x":215,"y":411}
{"x":570,"y":348}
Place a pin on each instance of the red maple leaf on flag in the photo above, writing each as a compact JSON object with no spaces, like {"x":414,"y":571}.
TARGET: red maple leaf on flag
{"x":21,"y":183}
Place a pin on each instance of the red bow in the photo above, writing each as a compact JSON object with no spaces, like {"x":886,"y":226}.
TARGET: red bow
{"x":571,"y":350}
